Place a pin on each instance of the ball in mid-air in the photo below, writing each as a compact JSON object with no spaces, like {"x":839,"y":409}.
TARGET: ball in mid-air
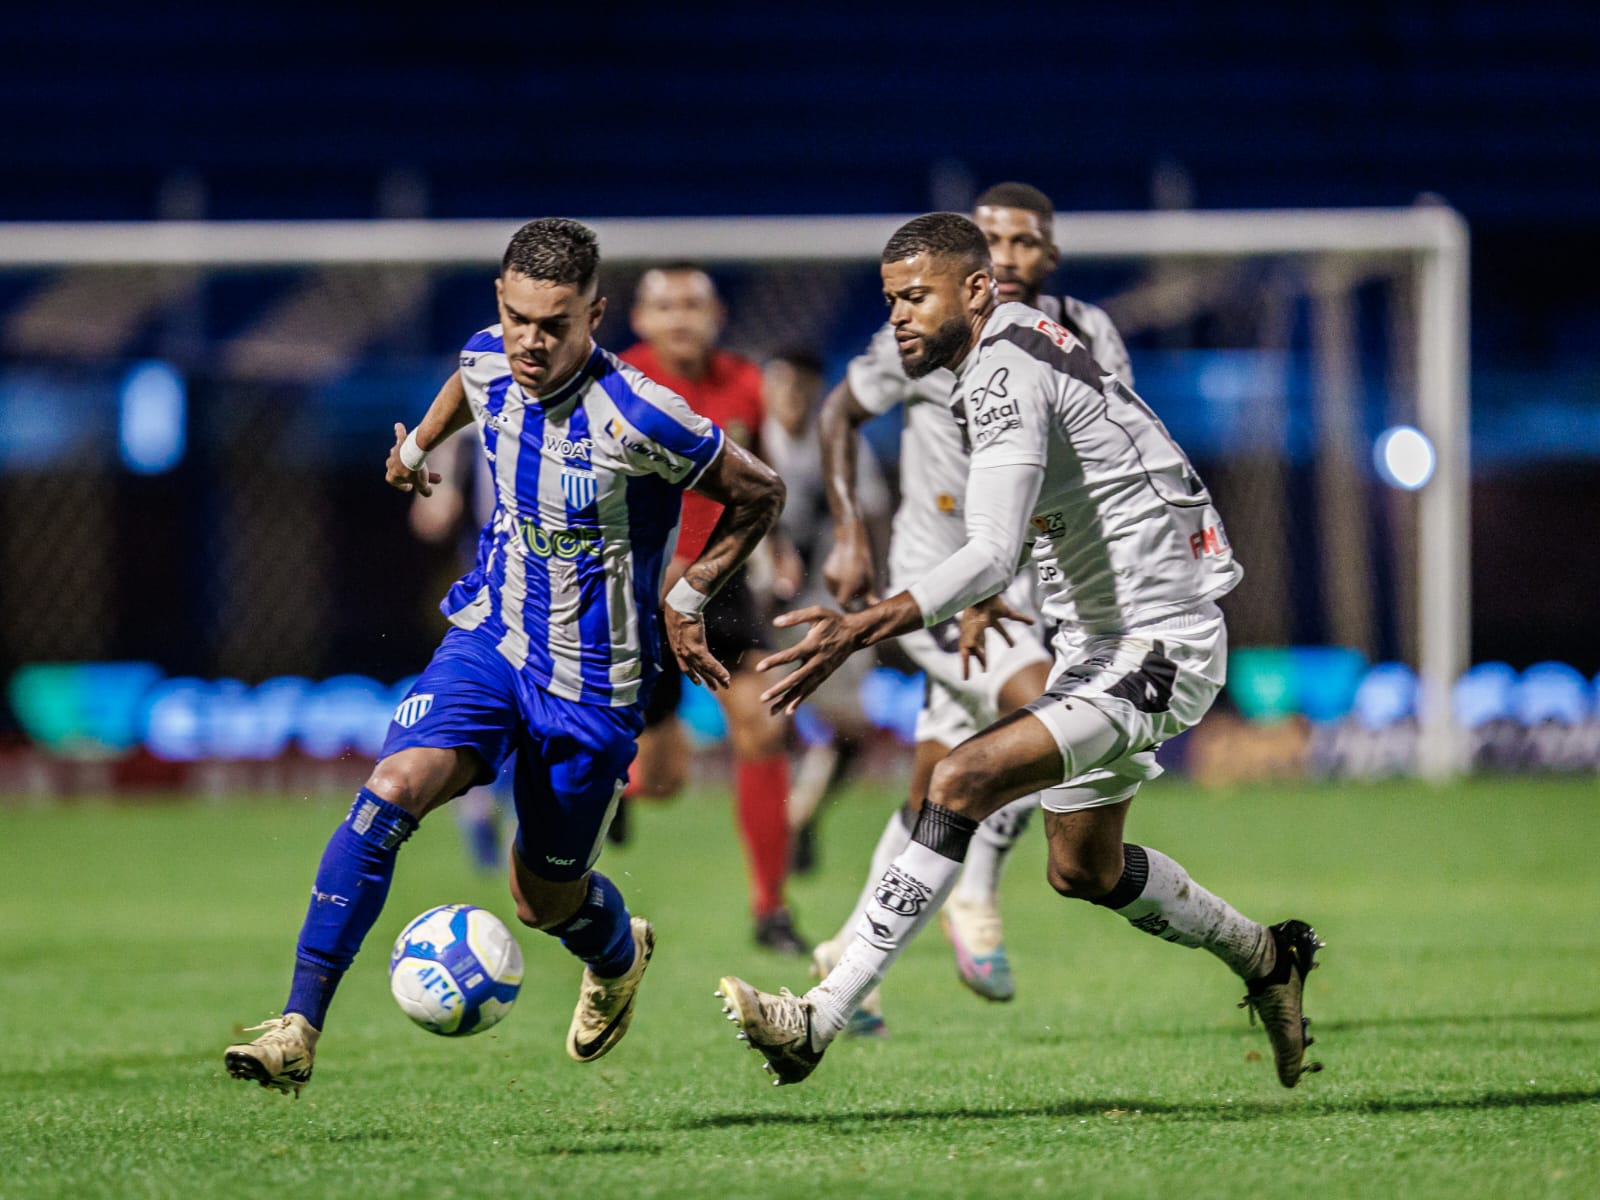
{"x":455,"y":970}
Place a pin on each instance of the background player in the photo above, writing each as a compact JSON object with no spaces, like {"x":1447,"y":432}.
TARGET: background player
{"x":678,"y":315}
{"x":556,"y":639}
{"x":1017,"y":222}
{"x":832,"y":725}
{"x":1062,"y":450}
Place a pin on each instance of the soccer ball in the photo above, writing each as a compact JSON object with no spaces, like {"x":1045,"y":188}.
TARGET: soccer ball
{"x":455,"y":970}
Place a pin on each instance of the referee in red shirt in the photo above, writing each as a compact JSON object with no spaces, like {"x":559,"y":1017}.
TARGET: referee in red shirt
{"x":678,"y":315}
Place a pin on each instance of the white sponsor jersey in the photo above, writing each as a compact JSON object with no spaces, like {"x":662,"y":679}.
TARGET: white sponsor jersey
{"x":587,"y":487}
{"x":1124,"y":530}
{"x":930,"y":524}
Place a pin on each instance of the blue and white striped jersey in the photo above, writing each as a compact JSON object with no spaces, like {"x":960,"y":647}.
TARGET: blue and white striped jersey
{"x":587,"y":494}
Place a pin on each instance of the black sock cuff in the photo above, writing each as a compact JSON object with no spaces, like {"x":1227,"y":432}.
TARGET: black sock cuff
{"x":944,"y":831}
{"x":1135,"y":874}
{"x":908,"y":816}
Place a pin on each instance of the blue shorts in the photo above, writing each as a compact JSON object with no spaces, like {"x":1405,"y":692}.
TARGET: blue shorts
{"x":572,"y":759}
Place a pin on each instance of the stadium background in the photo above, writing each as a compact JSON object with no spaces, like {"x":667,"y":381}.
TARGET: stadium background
{"x":248,"y":541}
{"x":190,"y":510}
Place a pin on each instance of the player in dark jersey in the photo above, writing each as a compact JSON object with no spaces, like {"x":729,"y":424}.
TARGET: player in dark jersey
{"x":678,"y":317}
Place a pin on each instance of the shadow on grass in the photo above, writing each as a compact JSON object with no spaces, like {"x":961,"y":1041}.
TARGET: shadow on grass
{"x":1435,"y":1020}
{"x":1413,"y":1021}
{"x":1123,"y":1106}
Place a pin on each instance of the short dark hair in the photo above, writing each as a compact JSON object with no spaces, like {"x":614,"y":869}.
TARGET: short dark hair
{"x":1017,"y":195}
{"x":677,"y":266}
{"x":941,"y":234}
{"x":554,"y":250}
{"x":801,"y":358}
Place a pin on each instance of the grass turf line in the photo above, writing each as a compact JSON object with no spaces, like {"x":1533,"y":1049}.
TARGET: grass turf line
{"x":1458,"y":1013}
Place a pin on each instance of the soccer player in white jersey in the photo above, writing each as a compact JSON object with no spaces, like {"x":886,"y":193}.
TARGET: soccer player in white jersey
{"x":1016,"y":220}
{"x":557,"y":638}
{"x":1132,"y":559}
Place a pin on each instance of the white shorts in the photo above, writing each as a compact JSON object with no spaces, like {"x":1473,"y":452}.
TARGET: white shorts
{"x":1151,"y":682}
{"x":955,"y":708}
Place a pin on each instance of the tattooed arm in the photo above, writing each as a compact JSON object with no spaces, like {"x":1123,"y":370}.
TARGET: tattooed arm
{"x":752,"y":498}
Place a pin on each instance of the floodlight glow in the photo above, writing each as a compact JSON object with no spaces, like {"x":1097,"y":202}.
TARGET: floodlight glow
{"x":151,"y":419}
{"x":1404,"y":457}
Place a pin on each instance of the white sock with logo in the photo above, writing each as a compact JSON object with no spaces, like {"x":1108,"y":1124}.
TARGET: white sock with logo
{"x":991,"y":847}
{"x":905,"y":897}
{"x":895,"y":837}
{"x":1155,"y":894}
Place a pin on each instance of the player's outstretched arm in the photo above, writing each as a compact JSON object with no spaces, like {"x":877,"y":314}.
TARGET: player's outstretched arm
{"x":448,"y":413}
{"x":833,"y":637}
{"x":999,"y":501}
{"x":751,"y":495}
{"x":848,"y":571}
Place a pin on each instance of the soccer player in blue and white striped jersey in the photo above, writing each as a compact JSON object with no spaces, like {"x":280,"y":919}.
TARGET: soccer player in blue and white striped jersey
{"x":558,"y":635}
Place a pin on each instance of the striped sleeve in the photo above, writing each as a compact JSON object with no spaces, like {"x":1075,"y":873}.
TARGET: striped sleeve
{"x":659,"y":433}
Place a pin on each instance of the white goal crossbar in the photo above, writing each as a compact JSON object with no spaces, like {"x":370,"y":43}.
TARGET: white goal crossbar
{"x":1432,"y":238}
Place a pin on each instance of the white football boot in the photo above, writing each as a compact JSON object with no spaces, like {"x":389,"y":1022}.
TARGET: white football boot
{"x":978,"y":938}
{"x":605,"y":1006}
{"x":778,"y":1026}
{"x":280,"y":1058}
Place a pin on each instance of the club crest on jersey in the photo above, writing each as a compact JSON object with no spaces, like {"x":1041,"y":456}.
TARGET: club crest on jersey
{"x":580,"y":487}
{"x":412,"y":709}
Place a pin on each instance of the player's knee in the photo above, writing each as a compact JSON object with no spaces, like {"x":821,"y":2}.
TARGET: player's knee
{"x":961,"y":783}
{"x":399,"y":787}
{"x":1082,"y":878}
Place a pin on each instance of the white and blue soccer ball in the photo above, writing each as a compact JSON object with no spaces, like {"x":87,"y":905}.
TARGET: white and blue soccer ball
{"x":456,"y":970}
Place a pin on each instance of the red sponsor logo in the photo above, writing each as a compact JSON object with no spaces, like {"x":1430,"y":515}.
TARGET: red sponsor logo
{"x":1210,"y":540}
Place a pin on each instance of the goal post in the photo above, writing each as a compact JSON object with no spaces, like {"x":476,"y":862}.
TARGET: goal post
{"x":1427,"y":243}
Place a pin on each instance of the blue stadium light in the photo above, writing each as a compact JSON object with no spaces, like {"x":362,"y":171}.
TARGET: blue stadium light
{"x":1404,"y":457}
{"x":152,"y":418}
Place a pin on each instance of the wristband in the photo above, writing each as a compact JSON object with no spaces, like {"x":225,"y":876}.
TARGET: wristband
{"x":412,"y":456}
{"x":685,"y":599}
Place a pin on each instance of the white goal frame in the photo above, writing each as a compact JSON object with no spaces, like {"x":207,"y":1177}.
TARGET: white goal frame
{"x":1433,"y":239}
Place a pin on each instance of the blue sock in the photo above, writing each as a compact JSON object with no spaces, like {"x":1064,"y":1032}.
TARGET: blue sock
{"x":352,"y":884}
{"x":600,"y":932}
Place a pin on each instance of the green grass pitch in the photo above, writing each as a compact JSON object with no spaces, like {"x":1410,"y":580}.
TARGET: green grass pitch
{"x":1458,"y":1013}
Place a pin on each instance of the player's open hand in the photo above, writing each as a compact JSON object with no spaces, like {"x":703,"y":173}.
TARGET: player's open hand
{"x":976,"y":622}
{"x":830,"y":640}
{"x":397,"y":475}
{"x":686,"y":634}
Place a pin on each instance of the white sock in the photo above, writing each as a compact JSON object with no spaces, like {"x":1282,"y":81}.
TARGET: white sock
{"x":895,"y":837}
{"x":811,"y":778}
{"x":1169,"y":905}
{"x":991,"y":846}
{"x":906,"y":896}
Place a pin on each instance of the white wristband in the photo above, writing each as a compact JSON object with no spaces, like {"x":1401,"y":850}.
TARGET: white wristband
{"x":686,"y":600}
{"x":412,"y":456}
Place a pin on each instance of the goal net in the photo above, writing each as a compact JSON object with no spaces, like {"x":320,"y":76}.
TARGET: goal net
{"x":191,"y":412}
